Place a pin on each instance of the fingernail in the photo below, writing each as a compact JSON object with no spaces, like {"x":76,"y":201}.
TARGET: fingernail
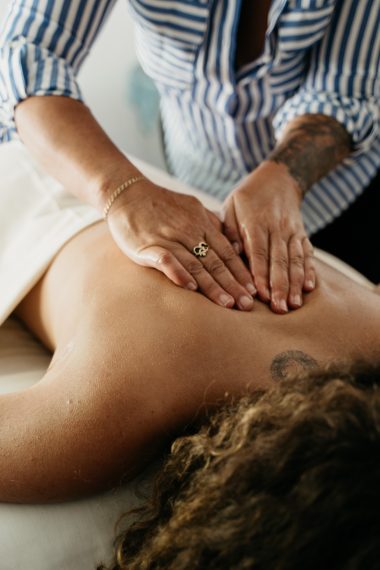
{"x":251,"y":289}
{"x":267,"y":293}
{"x":191,"y":286}
{"x":245,"y":302}
{"x":310,"y":284}
{"x":296,"y":300}
{"x":226,"y":300}
{"x":236,"y":247}
{"x":282,"y":305}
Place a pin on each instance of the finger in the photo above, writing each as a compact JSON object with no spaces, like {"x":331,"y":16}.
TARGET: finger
{"x":165,"y":261}
{"x":221,"y":274}
{"x":231,"y":228}
{"x":279,"y":276}
{"x":215,"y":220}
{"x":224,"y":250}
{"x":256,"y":246}
{"x":206,"y":283}
{"x":296,"y":271}
{"x":310,"y":274}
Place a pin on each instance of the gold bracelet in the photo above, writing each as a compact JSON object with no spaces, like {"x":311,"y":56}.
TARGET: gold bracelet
{"x":118,"y":191}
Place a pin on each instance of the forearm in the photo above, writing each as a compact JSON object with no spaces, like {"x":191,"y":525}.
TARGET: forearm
{"x":70,"y":145}
{"x":311,"y":147}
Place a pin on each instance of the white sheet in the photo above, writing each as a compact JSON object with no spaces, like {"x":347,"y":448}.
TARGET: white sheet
{"x":37,"y":217}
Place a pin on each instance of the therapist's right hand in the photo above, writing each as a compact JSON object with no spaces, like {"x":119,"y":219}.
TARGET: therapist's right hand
{"x":159,"y":228}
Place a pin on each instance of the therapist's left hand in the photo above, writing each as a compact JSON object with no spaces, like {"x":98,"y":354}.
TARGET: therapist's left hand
{"x":263,"y":220}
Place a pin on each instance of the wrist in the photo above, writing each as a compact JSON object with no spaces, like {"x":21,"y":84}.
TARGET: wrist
{"x":105,"y":183}
{"x":281,"y":174}
{"x":312,"y":146}
{"x":119,"y":190}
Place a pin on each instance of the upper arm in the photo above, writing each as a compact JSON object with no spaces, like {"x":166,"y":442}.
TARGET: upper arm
{"x":347,"y":60}
{"x":77,"y":431}
{"x":43,"y":44}
{"x":342,"y":80}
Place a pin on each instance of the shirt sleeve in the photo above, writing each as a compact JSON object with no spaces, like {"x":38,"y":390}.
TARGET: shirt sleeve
{"x":343,"y":77}
{"x":42,"y":46}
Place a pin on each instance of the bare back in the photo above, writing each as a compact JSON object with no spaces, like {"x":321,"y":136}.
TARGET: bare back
{"x":137,"y":357}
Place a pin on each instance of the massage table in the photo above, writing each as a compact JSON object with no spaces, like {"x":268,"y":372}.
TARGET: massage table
{"x":74,"y":535}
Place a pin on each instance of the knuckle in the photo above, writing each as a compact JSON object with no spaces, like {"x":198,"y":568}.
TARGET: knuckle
{"x":228,"y":254}
{"x":194,"y":201}
{"x":300,"y":234}
{"x":216,"y":266}
{"x":188,"y":238}
{"x":165,"y":258}
{"x":260,"y":253}
{"x":297,"y":260}
{"x":281,"y":224}
{"x":194,"y":267}
{"x":284,"y":226}
{"x":281,"y":262}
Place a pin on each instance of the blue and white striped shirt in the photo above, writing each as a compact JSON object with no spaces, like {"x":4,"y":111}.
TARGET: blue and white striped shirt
{"x":320,"y":56}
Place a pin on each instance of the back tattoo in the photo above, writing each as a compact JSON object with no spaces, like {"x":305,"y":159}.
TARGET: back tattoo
{"x":291,"y":362}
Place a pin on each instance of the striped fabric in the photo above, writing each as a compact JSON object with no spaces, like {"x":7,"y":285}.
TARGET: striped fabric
{"x":320,"y":56}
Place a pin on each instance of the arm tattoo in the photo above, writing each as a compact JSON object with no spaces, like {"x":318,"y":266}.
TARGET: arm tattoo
{"x":312,"y":146}
{"x":291,"y":362}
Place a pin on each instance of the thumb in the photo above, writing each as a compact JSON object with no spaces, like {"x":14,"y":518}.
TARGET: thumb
{"x":165,"y":261}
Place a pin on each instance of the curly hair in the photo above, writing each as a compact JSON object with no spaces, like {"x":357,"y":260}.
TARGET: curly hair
{"x":283,"y":479}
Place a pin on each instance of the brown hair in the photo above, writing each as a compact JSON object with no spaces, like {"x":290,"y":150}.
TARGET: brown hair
{"x":286,"y":479}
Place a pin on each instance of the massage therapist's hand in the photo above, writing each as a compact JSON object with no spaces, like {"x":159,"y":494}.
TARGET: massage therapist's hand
{"x":263,"y":219}
{"x":158,"y":228}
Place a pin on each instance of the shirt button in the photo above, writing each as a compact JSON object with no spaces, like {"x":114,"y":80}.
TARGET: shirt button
{"x":232,"y":103}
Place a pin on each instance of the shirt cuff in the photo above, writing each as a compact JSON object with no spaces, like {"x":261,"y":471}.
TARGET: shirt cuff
{"x":361,"y":118}
{"x":27,"y":70}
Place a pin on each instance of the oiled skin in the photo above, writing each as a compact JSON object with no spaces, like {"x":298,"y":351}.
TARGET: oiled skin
{"x":137,"y":357}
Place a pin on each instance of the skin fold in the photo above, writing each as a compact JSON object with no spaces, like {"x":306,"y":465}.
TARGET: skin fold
{"x":136,"y":358}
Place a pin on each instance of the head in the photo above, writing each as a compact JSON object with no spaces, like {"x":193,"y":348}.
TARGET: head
{"x":285,"y":479}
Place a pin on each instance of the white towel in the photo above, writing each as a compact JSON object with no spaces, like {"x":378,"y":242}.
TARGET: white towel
{"x":37,"y":217}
